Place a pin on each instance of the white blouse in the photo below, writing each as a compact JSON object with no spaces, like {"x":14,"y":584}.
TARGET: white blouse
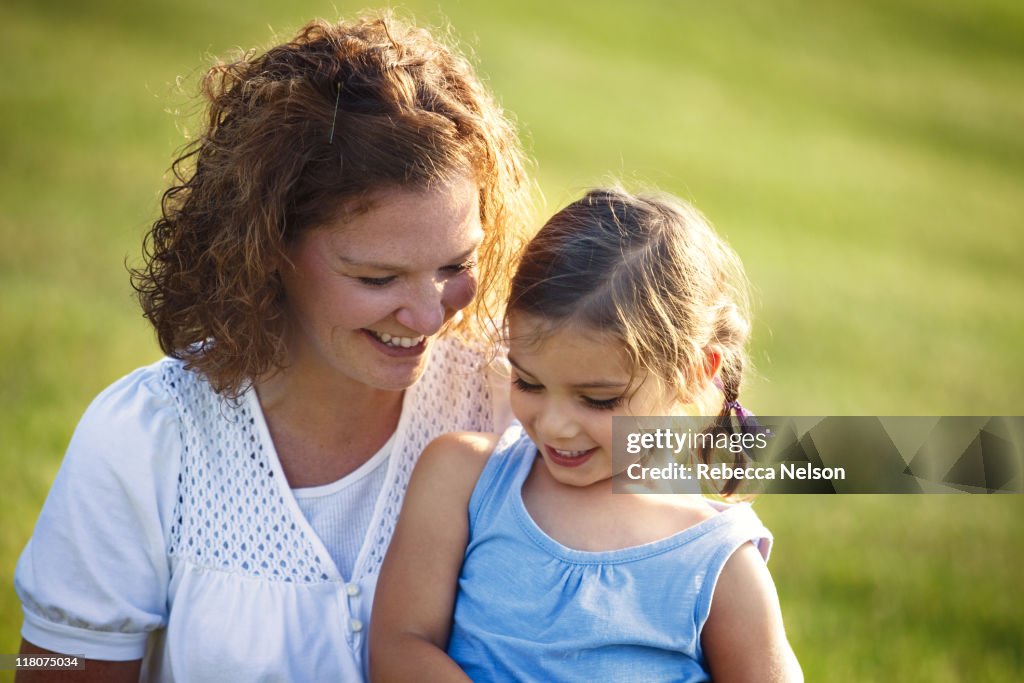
{"x":170,"y":532}
{"x":338,"y":512}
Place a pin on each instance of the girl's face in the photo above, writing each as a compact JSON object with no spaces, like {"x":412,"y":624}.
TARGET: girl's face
{"x":366,"y":293}
{"x":566,"y":387}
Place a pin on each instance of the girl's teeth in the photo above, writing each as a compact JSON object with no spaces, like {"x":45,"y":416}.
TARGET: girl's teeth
{"x":570,"y":454}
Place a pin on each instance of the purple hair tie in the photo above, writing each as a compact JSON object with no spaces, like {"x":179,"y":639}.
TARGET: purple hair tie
{"x":740,"y":411}
{"x":747,"y":419}
{"x":748,"y":423}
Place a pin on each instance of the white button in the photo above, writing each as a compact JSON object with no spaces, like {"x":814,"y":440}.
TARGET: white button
{"x":352,"y":589}
{"x":355,"y":625}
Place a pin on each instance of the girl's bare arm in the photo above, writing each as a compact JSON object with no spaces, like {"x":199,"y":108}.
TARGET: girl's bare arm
{"x":412,"y":609}
{"x":743,"y":638}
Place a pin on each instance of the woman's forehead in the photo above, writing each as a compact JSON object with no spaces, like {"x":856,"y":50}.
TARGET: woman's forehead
{"x":406,"y":223}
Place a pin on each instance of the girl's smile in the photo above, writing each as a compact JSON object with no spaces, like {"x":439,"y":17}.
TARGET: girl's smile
{"x":568,"y":458}
{"x":567,"y":385}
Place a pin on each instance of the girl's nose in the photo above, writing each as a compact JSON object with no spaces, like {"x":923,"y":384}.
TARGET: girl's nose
{"x":556,"y":423}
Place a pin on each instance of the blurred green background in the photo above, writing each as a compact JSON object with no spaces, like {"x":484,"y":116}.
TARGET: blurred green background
{"x":865,"y":159}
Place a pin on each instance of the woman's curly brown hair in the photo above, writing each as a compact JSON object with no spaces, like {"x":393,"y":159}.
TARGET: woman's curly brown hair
{"x":339,"y":111}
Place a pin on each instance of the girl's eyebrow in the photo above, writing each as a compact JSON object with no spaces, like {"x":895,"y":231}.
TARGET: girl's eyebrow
{"x":516,"y":365}
{"x":597,"y":384}
{"x":378,"y":265}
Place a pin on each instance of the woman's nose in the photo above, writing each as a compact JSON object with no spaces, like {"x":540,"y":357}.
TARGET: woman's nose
{"x":431,"y":303}
{"x":423,"y":311}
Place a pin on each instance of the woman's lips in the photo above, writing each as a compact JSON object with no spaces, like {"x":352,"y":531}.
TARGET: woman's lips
{"x":393,"y":350}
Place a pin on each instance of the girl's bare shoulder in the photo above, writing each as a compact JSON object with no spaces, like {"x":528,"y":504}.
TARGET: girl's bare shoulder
{"x":456,"y":459}
{"x":677,"y":512}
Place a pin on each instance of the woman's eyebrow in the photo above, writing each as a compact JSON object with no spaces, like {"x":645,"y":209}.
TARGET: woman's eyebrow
{"x":380,"y":265}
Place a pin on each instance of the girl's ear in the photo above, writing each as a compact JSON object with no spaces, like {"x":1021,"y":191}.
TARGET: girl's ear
{"x":712,"y":364}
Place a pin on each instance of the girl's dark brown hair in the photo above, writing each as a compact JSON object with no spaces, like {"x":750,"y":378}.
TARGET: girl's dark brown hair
{"x":650,"y":270}
{"x":293,"y":134}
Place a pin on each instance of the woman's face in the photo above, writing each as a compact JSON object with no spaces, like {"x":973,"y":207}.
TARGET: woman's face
{"x":367,"y":292}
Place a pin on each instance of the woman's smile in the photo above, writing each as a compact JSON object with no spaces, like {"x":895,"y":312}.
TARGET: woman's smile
{"x":368,"y":291}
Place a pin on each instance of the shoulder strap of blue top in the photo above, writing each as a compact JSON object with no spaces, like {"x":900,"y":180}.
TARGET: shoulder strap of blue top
{"x":501,"y":471}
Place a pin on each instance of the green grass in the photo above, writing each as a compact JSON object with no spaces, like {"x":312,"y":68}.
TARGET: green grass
{"x":911,"y":588}
{"x":865,"y":159}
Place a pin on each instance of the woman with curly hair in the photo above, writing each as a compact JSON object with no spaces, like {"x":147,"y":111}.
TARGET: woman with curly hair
{"x":321,"y":278}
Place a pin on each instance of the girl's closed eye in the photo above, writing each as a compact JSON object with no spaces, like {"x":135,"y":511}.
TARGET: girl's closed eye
{"x":522,"y":385}
{"x":596,"y":403}
{"x":603,"y":404}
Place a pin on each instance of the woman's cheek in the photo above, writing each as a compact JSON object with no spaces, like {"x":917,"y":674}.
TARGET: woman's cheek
{"x":459,"y":291}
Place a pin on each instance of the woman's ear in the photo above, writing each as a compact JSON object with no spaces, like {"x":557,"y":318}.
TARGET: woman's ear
{"x":281,"y":262}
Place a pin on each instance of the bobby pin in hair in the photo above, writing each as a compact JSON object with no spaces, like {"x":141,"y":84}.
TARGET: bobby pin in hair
{"x":334,"y":119}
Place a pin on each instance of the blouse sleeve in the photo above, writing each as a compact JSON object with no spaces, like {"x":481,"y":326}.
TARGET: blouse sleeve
{"x":93,"y":578}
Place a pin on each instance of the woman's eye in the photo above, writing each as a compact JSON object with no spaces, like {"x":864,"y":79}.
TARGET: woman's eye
{"x":457,"y":268}
{"x":377,"y":281}
{"x":522,"y":385}
{"x":605,"y":404}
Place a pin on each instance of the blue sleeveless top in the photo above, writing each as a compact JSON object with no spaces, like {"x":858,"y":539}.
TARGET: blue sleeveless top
{"x":531,"y":609}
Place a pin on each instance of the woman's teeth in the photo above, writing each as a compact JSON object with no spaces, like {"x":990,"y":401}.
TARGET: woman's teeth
{"x":402,"y":342}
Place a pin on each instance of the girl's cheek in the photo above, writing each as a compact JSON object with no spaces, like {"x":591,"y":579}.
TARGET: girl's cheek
{"x":520,"y":404}
{"x":459,"y":291}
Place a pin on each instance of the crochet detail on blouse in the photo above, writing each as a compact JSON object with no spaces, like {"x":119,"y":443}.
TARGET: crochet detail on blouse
{"x":453,"y":395}
{"x":231,"y":514}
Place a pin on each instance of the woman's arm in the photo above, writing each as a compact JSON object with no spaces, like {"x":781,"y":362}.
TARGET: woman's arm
{"x":93,"y":578}
{"x":743,"y":638}
{"x":95,"y":671}
{"x":412,"y":609}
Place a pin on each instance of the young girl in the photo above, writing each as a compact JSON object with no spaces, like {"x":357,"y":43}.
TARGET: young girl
{"x":621,"y":305}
